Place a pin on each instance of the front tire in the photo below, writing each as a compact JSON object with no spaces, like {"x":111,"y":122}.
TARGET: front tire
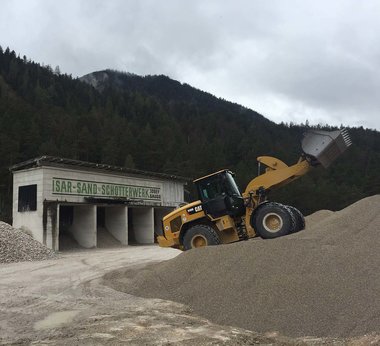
{"x":200,"y":236}
{"x":273,"y":220}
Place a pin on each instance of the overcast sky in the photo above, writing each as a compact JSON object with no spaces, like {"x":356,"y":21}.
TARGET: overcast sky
{"x":289,"y":60}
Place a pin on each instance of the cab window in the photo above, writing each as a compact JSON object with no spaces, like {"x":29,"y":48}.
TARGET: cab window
{"x":211,"y":189}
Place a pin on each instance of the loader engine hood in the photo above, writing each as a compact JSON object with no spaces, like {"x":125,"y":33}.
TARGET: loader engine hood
{"x":179,"y":210}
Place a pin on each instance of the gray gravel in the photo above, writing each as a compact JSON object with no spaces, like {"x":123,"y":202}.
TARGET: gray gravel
{"x":17,"y":246}
{"x":321,"y":282}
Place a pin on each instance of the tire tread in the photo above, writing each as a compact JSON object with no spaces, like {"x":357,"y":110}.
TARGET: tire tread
{"x":287,"y":210}
{"x":208,"y":230}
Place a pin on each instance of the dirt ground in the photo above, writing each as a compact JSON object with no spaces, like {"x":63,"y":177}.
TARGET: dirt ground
{"x":63,"y":302}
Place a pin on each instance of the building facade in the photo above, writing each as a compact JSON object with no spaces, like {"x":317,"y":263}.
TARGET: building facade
{"x":72,"y":202}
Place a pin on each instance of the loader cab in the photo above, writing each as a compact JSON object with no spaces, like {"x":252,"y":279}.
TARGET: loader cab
{"x":220,"y":195}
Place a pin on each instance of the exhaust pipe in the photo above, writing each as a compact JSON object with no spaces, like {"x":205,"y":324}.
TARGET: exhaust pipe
{"x":325,"y":146}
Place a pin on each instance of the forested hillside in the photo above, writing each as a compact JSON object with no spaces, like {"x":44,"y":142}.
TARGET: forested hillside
{"x":158,"y":124}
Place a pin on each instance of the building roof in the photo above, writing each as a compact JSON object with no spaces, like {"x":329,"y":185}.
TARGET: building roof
{"x":52,"y":161}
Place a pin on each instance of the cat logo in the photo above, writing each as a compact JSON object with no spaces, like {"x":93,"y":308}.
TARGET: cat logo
{"x":193,"y":210}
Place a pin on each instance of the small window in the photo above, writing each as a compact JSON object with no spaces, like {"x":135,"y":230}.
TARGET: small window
{"x":27,"y":198}
{"x":176,"y":224}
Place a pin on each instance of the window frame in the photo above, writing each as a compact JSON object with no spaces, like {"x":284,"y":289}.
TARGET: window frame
{"x":27,"y":198}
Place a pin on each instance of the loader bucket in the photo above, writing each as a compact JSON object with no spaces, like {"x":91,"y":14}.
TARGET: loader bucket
{"x":325,"y":146}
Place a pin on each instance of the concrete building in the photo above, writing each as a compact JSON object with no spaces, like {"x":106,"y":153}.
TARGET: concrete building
{"x":65,"y":203}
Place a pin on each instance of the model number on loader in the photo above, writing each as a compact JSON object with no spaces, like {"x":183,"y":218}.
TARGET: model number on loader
{"x":195,"y":209}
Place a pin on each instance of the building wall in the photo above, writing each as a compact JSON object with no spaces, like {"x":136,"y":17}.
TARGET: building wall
{"x":171,"y":191}
{"x":29,"y":220}
{"x":147,"y":193}
{"x":174,"y":193}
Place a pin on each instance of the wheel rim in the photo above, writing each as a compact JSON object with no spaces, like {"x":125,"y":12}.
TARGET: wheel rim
{"x":272,"y":222}
{"x":198,"y":241}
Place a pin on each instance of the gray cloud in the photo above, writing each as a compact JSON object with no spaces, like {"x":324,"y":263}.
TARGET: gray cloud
{"x":291,"y":61}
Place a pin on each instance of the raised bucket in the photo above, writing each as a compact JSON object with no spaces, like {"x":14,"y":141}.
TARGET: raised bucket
{"x":325,"y":146}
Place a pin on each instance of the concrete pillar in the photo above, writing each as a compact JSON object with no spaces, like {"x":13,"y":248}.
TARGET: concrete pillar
{"x":143,"y":225}
{"x":84,"y":225}
{"x":116,"y":222}
{"x":51,"y":225}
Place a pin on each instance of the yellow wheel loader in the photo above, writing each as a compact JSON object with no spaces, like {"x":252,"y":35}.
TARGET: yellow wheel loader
{"x":224,"y":215}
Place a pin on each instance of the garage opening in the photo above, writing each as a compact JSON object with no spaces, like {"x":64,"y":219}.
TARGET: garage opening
{"x":112,"y":226}
{"x":79,"y":224}
{"x":140,"y":225}
{"x":107,"y":226}
{"x":104,"y":239}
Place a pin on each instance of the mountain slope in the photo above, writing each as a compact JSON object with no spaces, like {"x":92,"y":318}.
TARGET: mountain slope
{"x":165,"y":89}
{"x":158,"y":124}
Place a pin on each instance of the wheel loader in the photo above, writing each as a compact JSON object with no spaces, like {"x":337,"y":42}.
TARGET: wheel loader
{"x":223,"y":215}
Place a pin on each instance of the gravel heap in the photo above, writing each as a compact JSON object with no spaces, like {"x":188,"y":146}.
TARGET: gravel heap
{"x":317,"y":217}
{"x":17,"y":246}
{"x":321,"y":282}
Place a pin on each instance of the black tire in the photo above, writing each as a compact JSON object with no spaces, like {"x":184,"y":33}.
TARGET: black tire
{"x":298,"y":217}
{"x":272,"y":220}
{"x":200,"y":236}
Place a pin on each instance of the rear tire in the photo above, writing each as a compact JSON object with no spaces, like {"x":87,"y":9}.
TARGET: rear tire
{"x":298,"y":217}
{"x":273,"y":220}
{"x":200,"y":236}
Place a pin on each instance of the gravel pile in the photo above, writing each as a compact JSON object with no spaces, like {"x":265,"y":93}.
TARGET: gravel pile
{"x":322,"y":282}
{"x":17,"y":246}
{"x":317,"y":217}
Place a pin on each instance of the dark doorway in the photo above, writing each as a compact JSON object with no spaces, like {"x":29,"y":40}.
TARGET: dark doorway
{"x":66,"y":218}
{"x":101,"y":216}
{"x":131,"y":233}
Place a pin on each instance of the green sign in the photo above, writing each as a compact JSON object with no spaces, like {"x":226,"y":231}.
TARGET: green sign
{"x":100,"y":189}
